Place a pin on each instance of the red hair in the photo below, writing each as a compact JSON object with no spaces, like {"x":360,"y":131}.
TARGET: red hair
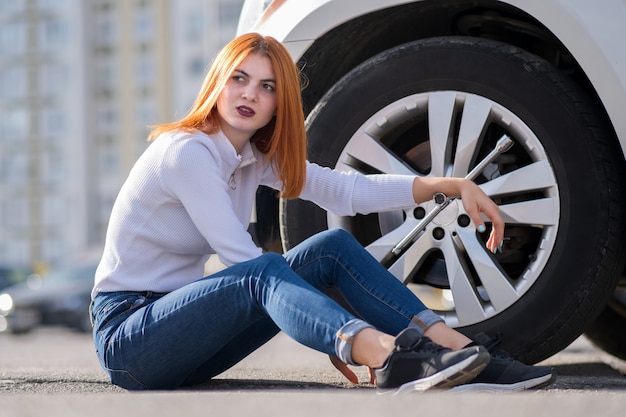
{"x":284,"y":138}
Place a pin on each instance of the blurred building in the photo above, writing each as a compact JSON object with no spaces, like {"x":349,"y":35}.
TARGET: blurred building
{"x":80,"y":81}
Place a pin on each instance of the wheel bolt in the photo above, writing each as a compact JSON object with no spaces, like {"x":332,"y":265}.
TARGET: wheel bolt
{"x":463,"y":220}
{"x":419,"y":212}
{"x":438,"y":233}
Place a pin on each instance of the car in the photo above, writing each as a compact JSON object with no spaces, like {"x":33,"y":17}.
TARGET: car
{"x":430,"y":88}
{"x":59,"y":298}
{"x":11,"y":275}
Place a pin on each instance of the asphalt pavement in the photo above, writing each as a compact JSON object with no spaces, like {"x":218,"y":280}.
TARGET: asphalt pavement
{"x":54,"y":372}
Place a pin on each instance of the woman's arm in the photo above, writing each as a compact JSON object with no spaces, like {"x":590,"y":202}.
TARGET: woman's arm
{"x":192,"y":175}
{"x":348,"y":194}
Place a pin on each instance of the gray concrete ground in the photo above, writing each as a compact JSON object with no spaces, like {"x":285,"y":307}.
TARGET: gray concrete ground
{"x":54,"y":372}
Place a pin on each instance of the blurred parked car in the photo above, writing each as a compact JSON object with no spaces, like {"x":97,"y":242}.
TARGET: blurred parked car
{"x":60,"y":297}
{"x":427,"y":88}
{"x":12,"y":275}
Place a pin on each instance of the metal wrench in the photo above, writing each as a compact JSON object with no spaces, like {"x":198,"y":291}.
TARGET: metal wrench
{"x":442,"y":201}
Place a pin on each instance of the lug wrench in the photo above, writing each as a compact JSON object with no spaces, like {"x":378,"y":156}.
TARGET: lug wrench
{"x":442,"y":201}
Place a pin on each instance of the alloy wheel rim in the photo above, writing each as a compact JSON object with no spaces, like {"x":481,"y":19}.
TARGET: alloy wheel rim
{"x":445,"y":133}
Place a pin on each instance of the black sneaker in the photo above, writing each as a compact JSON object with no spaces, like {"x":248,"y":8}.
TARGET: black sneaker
{"x":505,"y":373}
{"x":417,"y":364}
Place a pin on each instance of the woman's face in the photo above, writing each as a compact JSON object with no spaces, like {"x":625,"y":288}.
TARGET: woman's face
{"x":248,"y":100}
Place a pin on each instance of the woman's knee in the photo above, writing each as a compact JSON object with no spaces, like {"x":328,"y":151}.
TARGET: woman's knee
{"x":339,"y":236}
{"x":272,"y":263}
{"x":272,"y":258}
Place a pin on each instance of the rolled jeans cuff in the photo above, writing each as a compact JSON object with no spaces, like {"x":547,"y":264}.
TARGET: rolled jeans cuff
{"x":423,"y":320}
{"x":345,"y":336}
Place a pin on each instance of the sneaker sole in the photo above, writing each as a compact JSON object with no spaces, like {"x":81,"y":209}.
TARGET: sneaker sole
{"x":518,"y":386}
{"x":459,"y":373}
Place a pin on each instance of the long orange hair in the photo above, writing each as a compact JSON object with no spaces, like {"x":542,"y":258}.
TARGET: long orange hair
{"x":284,"y":138}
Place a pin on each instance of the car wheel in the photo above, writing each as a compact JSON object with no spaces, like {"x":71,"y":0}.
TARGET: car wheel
{"x":435,"y":108}
{"x":607,"y":332}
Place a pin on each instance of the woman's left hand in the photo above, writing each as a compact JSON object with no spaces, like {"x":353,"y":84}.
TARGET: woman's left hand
{"x":347,"y":372}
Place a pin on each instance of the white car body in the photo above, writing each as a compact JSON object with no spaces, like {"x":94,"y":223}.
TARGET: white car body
{"x":386,"y":76}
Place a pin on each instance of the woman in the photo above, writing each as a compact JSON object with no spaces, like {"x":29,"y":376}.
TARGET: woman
{"x":158,"y":324}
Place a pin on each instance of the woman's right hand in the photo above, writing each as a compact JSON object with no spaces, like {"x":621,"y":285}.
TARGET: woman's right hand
{"x":475,"y":202}
{"x":474,"y":199}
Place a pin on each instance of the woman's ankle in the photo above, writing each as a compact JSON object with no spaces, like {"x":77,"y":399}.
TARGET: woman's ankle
{"x":446,"y":336}
{"x":371,"y":347}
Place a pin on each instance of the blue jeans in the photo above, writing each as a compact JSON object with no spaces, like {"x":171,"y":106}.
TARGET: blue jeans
{"x":147,"y":340}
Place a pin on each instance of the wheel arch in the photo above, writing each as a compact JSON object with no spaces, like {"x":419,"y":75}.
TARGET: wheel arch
{"x":335,"y":52}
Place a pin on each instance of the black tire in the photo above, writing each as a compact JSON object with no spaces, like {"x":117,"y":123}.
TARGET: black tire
{"x":607,"y":332}
{"x":562,"y":252}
